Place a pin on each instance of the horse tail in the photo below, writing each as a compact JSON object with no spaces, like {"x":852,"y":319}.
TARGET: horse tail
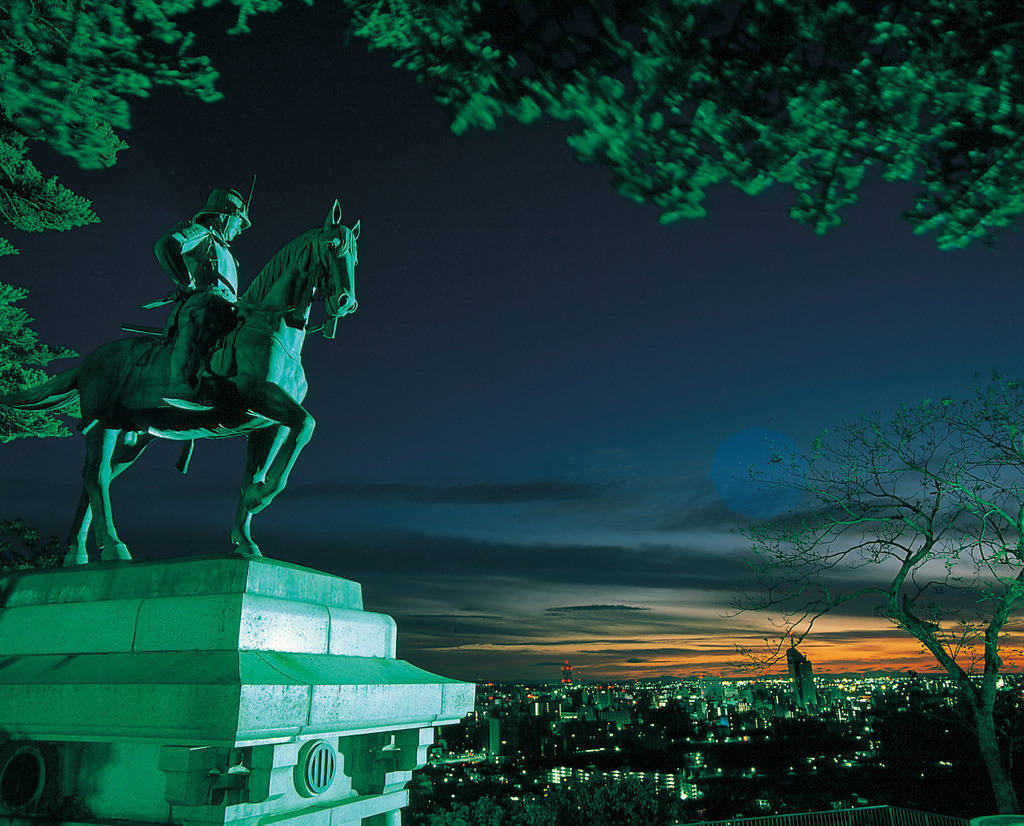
{"x":54,"y":394}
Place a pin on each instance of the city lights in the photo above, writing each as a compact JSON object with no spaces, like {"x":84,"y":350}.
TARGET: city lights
{"x":763,"y":745}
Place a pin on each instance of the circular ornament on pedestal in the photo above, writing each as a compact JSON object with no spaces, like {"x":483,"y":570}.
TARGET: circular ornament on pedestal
{"x":316,"y":768}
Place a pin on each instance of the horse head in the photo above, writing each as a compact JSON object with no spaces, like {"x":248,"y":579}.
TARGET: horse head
{"x":338,"y":257}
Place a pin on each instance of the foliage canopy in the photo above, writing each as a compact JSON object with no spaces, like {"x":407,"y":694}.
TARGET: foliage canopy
{"x":676,"y":96}
{"x":21,"y":359}
{"x":67,"y":71}
{"x":23,"y":548}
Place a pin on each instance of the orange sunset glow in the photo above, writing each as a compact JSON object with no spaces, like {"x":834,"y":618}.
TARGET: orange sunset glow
{"x":837,"y":646}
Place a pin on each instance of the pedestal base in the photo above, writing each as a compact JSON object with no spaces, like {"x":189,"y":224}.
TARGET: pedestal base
{"x":208,"y":690}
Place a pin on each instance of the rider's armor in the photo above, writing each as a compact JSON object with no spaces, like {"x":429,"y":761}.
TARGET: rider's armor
{"x":200,"y":263}
{"x":197,"y":258}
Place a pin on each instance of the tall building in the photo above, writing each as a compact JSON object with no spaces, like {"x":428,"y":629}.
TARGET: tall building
{"x":566,"y":673}
{"x":499,"y":736}
{"x":802,"y":676}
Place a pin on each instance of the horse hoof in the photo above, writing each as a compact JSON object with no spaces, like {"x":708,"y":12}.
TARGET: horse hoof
{"x":116,"y":552}
{"x":75,"y":557}
{"x":249,"y":550}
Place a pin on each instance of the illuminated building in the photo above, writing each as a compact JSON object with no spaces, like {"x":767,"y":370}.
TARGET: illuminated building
{"x":801,"y":676}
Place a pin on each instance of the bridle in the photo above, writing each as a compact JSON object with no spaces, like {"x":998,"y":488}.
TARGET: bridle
{"x":323,"y":284}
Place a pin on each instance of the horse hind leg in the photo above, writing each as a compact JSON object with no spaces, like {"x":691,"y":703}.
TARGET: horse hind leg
{"x":78,"y":553}
{"x":102,"y":463}
{"x":127,"y":449}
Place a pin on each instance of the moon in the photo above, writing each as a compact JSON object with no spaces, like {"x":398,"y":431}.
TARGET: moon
{"x":758,"y":472}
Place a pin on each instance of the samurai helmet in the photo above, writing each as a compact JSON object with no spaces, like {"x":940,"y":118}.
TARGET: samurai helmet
{"x":225,"y":201}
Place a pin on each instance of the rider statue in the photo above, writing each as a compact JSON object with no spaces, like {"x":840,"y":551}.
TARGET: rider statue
{"x":197,"y":256}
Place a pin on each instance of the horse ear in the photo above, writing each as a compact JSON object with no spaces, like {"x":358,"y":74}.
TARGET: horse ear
{"x":355,"y":230}
{"x":334,"y":216}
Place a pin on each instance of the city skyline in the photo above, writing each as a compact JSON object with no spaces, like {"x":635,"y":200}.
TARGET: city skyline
{"x":526,"y":433}
{"x":722,"y":748}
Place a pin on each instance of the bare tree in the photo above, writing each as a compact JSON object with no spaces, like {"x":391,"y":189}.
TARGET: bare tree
{"x":921,"y":513}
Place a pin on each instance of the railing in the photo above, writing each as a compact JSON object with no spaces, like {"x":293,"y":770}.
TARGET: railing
{"x":864,"y":816}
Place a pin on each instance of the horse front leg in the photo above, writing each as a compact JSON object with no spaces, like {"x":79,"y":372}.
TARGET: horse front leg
{"x":259,"y":448}
{"x":267,"y":482}
{"x":127,"y":448}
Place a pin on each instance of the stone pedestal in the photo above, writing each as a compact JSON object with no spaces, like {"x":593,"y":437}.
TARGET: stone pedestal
{"x":208,"y":690}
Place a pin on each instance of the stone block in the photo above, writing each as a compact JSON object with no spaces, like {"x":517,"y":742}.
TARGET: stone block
{"x":267,"y":711}
{"x":362,"y":633}
{"x":73,"y":628}
{"x":273,"y":624}
{"x":206,"y":622}
{"x":188,"y":576}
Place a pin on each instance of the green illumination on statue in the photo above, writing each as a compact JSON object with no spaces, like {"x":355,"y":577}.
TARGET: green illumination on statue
{"x":202,"y":380}
{"x":213,"y":689}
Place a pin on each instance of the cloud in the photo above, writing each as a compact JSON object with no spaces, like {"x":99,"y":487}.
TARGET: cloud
{"x":703,"y":508}
{"x":398,"y":555}
{"x":450,"y":617}
{"x":595,"y":608}
{"x":578,"y":642}
{"x":476,"y":494}
{"x":676,"y":652}
{"x":636,"y":660}
{"x":701,"y":515}
{"x":448,"y":631}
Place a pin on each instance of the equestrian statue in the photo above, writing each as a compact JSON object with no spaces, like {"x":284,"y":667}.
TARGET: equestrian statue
{"x":226,"y":365}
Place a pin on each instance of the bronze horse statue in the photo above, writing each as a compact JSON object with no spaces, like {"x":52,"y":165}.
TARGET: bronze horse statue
{"x":128,"y":397}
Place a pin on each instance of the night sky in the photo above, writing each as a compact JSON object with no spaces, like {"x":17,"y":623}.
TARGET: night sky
{"x":517,"y":429}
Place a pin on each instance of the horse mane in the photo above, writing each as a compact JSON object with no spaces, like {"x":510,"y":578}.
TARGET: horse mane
{"x":297,"y":254}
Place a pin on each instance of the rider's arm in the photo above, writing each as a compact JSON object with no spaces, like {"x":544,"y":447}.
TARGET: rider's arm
{"x":172,"y":245}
